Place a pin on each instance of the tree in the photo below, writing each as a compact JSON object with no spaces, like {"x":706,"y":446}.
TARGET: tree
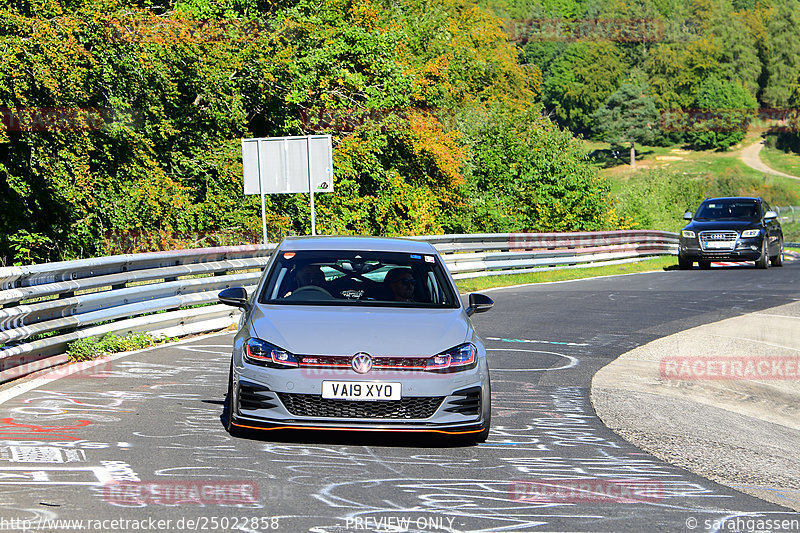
{"x":738,"y":59}
{"x":580,"y":80}
{"x":629,"y":116}
{"x":722,"y":112}
{"x":782,"y":54}
{"x":525,"y":173}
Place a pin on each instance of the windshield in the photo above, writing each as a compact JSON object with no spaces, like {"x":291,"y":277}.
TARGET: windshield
{"x":728,"y":210}
{"x":359,"y":278}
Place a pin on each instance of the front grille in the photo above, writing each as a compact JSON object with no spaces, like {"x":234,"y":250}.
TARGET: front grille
{"x":315,"y":405}
{"x":378,"y":363}
{"x":718,"y":240}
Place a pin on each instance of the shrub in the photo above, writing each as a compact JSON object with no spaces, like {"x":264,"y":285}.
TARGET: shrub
{"x":730,"y":109}
{"x":94,"y":347}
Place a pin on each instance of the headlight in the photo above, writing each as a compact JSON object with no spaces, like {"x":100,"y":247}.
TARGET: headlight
{"x":688,"y":233}
{"x":750,"y":233}
{"x":262,"y":353}
{"x":459,"y":358}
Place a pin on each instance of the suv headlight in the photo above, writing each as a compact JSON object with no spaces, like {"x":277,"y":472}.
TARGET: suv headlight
{"x":750,"y":233}
{"x":262,"y":353}
{"x":688,"y":233}
{"x":461,"y":357}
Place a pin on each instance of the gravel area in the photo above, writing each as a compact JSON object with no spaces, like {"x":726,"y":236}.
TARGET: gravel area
{"x":741,"y":433}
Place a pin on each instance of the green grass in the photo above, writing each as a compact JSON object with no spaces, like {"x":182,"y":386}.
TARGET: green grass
{"x":780,"y":160}
{"x":648,"y":265}
{"x":668,"y":181}
{"x":791,"y":232}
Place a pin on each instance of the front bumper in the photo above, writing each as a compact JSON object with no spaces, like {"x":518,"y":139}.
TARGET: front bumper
{"x":288,"y":399}
{"x":744,"y":250}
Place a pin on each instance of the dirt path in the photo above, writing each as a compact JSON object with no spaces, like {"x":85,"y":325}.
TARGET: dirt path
{"x":750,"y":157}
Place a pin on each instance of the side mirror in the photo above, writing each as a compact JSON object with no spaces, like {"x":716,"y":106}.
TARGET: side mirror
{"x":688,"y":215}
{"x":770,"y":215}
{"x":479,"y":303}
{"x":235,"y":296}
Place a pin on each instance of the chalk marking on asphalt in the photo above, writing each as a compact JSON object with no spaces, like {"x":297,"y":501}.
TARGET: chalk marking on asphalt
{"x":573,"y":361}
{"x":67,"y":370}
{"x":535,"y":341}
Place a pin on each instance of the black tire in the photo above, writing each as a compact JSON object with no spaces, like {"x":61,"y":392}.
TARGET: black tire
{"x":705,"y":265}
{"x":763,"y":261}
{"x":777,"y":261}
{"x":230,"y":404}
{"x":685,"y":263}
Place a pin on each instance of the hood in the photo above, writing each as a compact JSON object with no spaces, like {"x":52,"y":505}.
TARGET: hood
{"x":346,"y":330}
{"x":714,"y":225}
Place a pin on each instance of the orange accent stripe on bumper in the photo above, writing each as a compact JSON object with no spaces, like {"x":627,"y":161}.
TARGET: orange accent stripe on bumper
{"x":361,"y":429}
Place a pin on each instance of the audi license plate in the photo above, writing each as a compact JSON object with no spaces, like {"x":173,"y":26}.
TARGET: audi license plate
{"x":360,"y":390}
{"x":724,"y":245}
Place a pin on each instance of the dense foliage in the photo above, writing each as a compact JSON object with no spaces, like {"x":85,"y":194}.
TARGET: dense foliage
{"x":437,"y":126}
{"x":122,"y":119}
{"x":732,"y":108}
{"x":587,"y":50}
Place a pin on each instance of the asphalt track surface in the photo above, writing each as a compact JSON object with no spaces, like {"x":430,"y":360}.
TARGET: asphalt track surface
{"x":156,"y":416}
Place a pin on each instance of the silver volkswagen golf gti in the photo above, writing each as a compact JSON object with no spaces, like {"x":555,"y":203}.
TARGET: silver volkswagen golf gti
{"x":358,"y":333}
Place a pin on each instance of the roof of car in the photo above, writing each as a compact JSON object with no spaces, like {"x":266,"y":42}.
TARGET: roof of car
{"x":367,"y":244}
{"x":733,"y":198}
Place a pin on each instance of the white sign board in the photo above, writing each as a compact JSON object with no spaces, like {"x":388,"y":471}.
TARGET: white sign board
{"x":283,"y":165}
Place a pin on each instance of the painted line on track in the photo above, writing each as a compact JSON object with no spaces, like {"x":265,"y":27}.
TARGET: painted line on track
{"x":536,"y":341}
{"x":572,"y":361}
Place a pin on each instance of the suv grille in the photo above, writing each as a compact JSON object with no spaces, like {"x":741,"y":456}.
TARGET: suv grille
{"x":315,"y":405}
{"x":718,"y":240}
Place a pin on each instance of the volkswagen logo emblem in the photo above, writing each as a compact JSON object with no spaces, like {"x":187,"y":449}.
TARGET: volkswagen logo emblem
{"x":361,"y":363}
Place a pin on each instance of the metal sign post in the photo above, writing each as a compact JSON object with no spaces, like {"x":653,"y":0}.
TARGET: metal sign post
{"x":285,"y":165}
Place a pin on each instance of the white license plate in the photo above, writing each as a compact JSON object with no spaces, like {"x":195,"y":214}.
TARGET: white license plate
{"x":360,"y":390}
{"x":725,"y":245}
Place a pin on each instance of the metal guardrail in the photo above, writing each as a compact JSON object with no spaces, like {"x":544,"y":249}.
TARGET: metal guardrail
{"x":788,"y":213}
{"x":47,"y":306}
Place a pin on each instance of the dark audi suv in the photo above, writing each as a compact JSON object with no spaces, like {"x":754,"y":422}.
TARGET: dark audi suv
{"x":731,"y":229}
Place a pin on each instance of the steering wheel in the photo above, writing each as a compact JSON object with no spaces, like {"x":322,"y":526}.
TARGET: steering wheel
{"x":311,"y":292}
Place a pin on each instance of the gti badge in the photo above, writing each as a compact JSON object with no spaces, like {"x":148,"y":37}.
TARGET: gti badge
{"x":361,"y":363}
